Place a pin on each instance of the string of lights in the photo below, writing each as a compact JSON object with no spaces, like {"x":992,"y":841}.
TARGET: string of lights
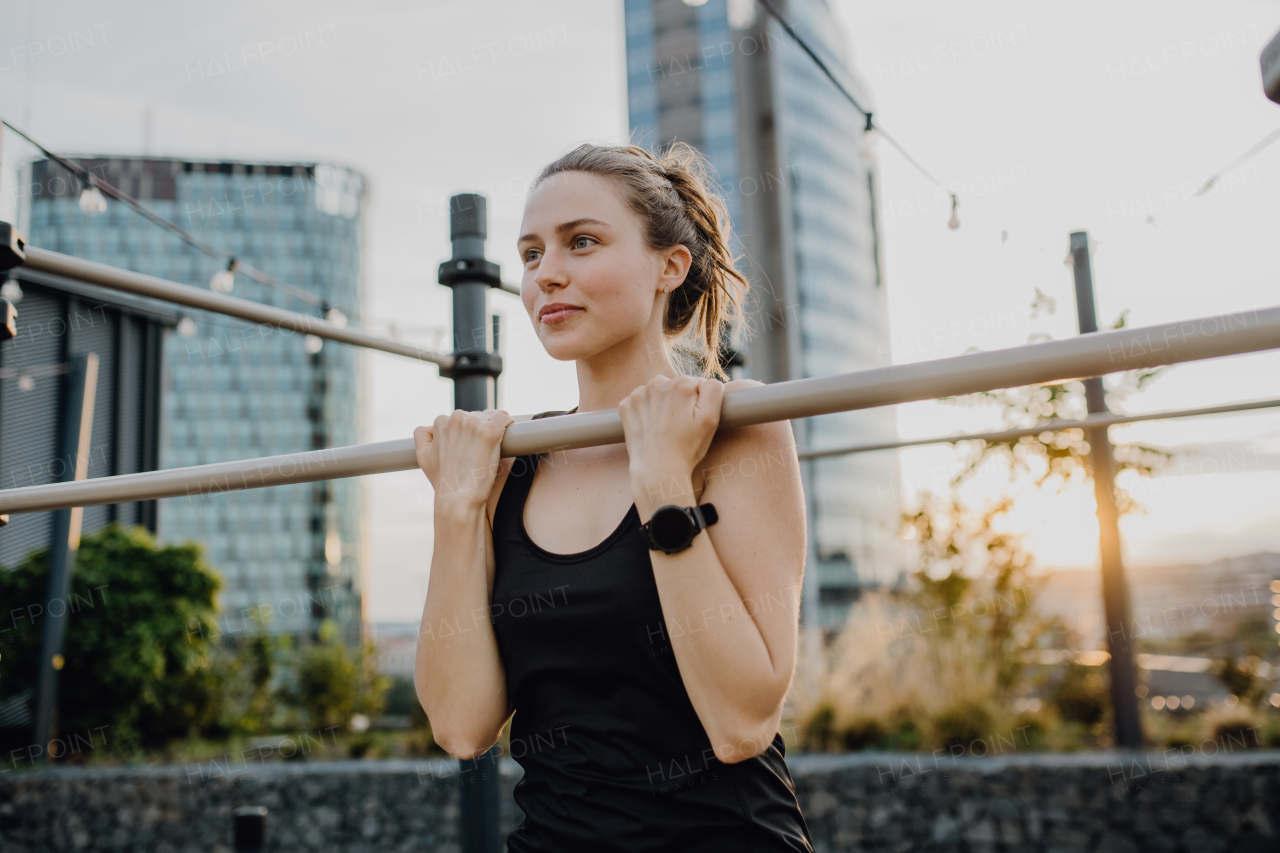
{"x":954,"y":222}
{"x":188,"y":327}
{"x":1243,"y":158}
{"x":93,"y":203}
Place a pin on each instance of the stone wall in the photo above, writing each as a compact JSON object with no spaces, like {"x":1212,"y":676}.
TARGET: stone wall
{"x":1091,"y":802}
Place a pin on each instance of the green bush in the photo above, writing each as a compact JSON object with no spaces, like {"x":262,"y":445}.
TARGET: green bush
{"x":332,"y":685}
{"x":962,"y":724}
{"x":1237,"y":730}
{"x":897,"y":730}
{"x":138,"y":658}
{"x":368,"y":745}
{"x":1271,"y":732}
{"x":402,"y":697}
{"x":248,"y":671}
{"x":1241,"y":678}
{"x":1082,"y":696}
{"x":864,"y":733}
{"x":1033,"y":728}
{"x":819,"y":728}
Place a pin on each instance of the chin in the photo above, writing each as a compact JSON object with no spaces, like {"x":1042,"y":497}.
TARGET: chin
{"x":561,"y":349}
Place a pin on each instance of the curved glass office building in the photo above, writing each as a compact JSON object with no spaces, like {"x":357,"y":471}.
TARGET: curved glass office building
{"x":788,"y":148}
{"x":234,"y":390}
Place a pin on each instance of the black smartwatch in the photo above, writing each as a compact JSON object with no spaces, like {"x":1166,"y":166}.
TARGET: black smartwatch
{"x":671,"y":528}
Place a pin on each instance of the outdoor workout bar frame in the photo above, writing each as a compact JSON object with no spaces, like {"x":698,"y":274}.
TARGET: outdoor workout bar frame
{"x":89,"y":272}
{"x":1090,"y":422}
{"x":1089,"y":355}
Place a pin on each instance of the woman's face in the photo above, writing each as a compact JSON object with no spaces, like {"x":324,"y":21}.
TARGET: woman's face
{"x":584,"y":248}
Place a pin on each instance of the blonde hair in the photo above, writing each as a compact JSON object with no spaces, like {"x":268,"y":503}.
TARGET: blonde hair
{"x":672,"y":193}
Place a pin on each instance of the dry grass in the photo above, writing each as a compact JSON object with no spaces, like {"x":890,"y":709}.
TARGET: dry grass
{"x":883,"y":684}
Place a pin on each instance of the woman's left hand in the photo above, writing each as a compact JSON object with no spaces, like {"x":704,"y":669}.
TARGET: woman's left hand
{"x":669,"y":424}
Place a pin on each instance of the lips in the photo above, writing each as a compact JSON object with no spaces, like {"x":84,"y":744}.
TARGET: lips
{"x":558,"y":312}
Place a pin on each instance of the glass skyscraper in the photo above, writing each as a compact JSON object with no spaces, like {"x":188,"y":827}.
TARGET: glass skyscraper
{"x":787,"y":150}
{"x":234,"y":390}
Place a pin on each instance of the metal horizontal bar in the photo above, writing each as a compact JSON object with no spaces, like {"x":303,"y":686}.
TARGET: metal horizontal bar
{"x":1087,"y":355}
{"x":289,"y":322}
{"x":1090,"y":422}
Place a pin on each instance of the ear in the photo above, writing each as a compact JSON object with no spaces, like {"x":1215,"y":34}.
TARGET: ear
{"x":676,"y":262}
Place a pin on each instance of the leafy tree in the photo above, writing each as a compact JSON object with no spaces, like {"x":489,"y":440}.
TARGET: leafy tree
{"x":249,"y":671}
{"x":1056,"y":458}
{"x":137,"y":657}
{"x":974,"y":583}
{"x":968,"y":556}
{"x":1242,"y":679}
{"x":1081,"y":696}
{"x":333,"y":685}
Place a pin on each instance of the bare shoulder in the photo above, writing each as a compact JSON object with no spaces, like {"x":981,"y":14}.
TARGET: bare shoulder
{"x":500,"y":479}
{"x":752,"y":477}
{"x":768,"y":438}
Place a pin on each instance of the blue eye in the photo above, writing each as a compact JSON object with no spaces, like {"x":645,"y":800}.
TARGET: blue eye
{"x":579,"y":239}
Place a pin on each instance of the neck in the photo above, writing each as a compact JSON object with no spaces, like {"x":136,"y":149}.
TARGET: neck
{"x":606,"y":378}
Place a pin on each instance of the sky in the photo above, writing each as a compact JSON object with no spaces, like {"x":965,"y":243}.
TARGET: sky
{"x":1106,"y":120}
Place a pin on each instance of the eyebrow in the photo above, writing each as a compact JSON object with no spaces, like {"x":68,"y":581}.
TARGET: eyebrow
{"x":566,"y":226}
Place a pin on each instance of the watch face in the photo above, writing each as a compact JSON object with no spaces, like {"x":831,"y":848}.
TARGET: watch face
{"x":670,"y":526}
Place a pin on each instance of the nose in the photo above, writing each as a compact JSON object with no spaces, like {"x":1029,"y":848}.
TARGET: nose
{"x":551,"y":270}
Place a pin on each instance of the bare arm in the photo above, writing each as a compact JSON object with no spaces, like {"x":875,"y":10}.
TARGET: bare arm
{"x":458,"y":671}
{"x":731,"y":600}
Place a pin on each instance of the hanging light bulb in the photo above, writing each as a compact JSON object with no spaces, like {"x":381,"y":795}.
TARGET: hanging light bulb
{"x":314,"y":344}
{"x":187,"y":327}
{"x":224,"y":280}
{"x":12,"y":291}
{"x":91,"y":202}
{"x":954,"y":222}
{"x":336,"y":317}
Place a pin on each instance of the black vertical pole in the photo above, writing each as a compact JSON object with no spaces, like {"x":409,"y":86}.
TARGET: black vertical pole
{"x":475,"y":375}
{"x":249,"y":829}
{"x":497,"y":348}
{"x":73,"y":454}
{"x":1115,"y":591}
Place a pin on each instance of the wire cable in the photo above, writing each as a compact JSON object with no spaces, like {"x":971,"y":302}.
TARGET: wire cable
{"x":1265,"y":141}
{"x":804,"y":45}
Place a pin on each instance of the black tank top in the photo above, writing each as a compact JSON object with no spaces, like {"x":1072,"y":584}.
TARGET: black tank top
{"x":614,"y":755}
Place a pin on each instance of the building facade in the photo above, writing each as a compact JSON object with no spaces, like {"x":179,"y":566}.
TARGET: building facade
{"x":789,"y":155}
{"x":234,"y":390}
{"x":57,"y":320}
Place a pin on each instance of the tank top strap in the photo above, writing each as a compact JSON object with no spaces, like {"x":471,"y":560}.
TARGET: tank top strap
{"x":515,"y":491}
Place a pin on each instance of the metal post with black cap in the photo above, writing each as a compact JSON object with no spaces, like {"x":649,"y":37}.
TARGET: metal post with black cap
{"x":249,"y":829}
{"x":475,"y":375}
{"x":475,"y":368}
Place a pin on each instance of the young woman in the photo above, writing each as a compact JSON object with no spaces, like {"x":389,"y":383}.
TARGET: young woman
{"x":647,"y":676}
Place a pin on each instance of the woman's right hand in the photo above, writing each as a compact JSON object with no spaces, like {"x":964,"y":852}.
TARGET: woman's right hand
{"x":460,"y":454}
